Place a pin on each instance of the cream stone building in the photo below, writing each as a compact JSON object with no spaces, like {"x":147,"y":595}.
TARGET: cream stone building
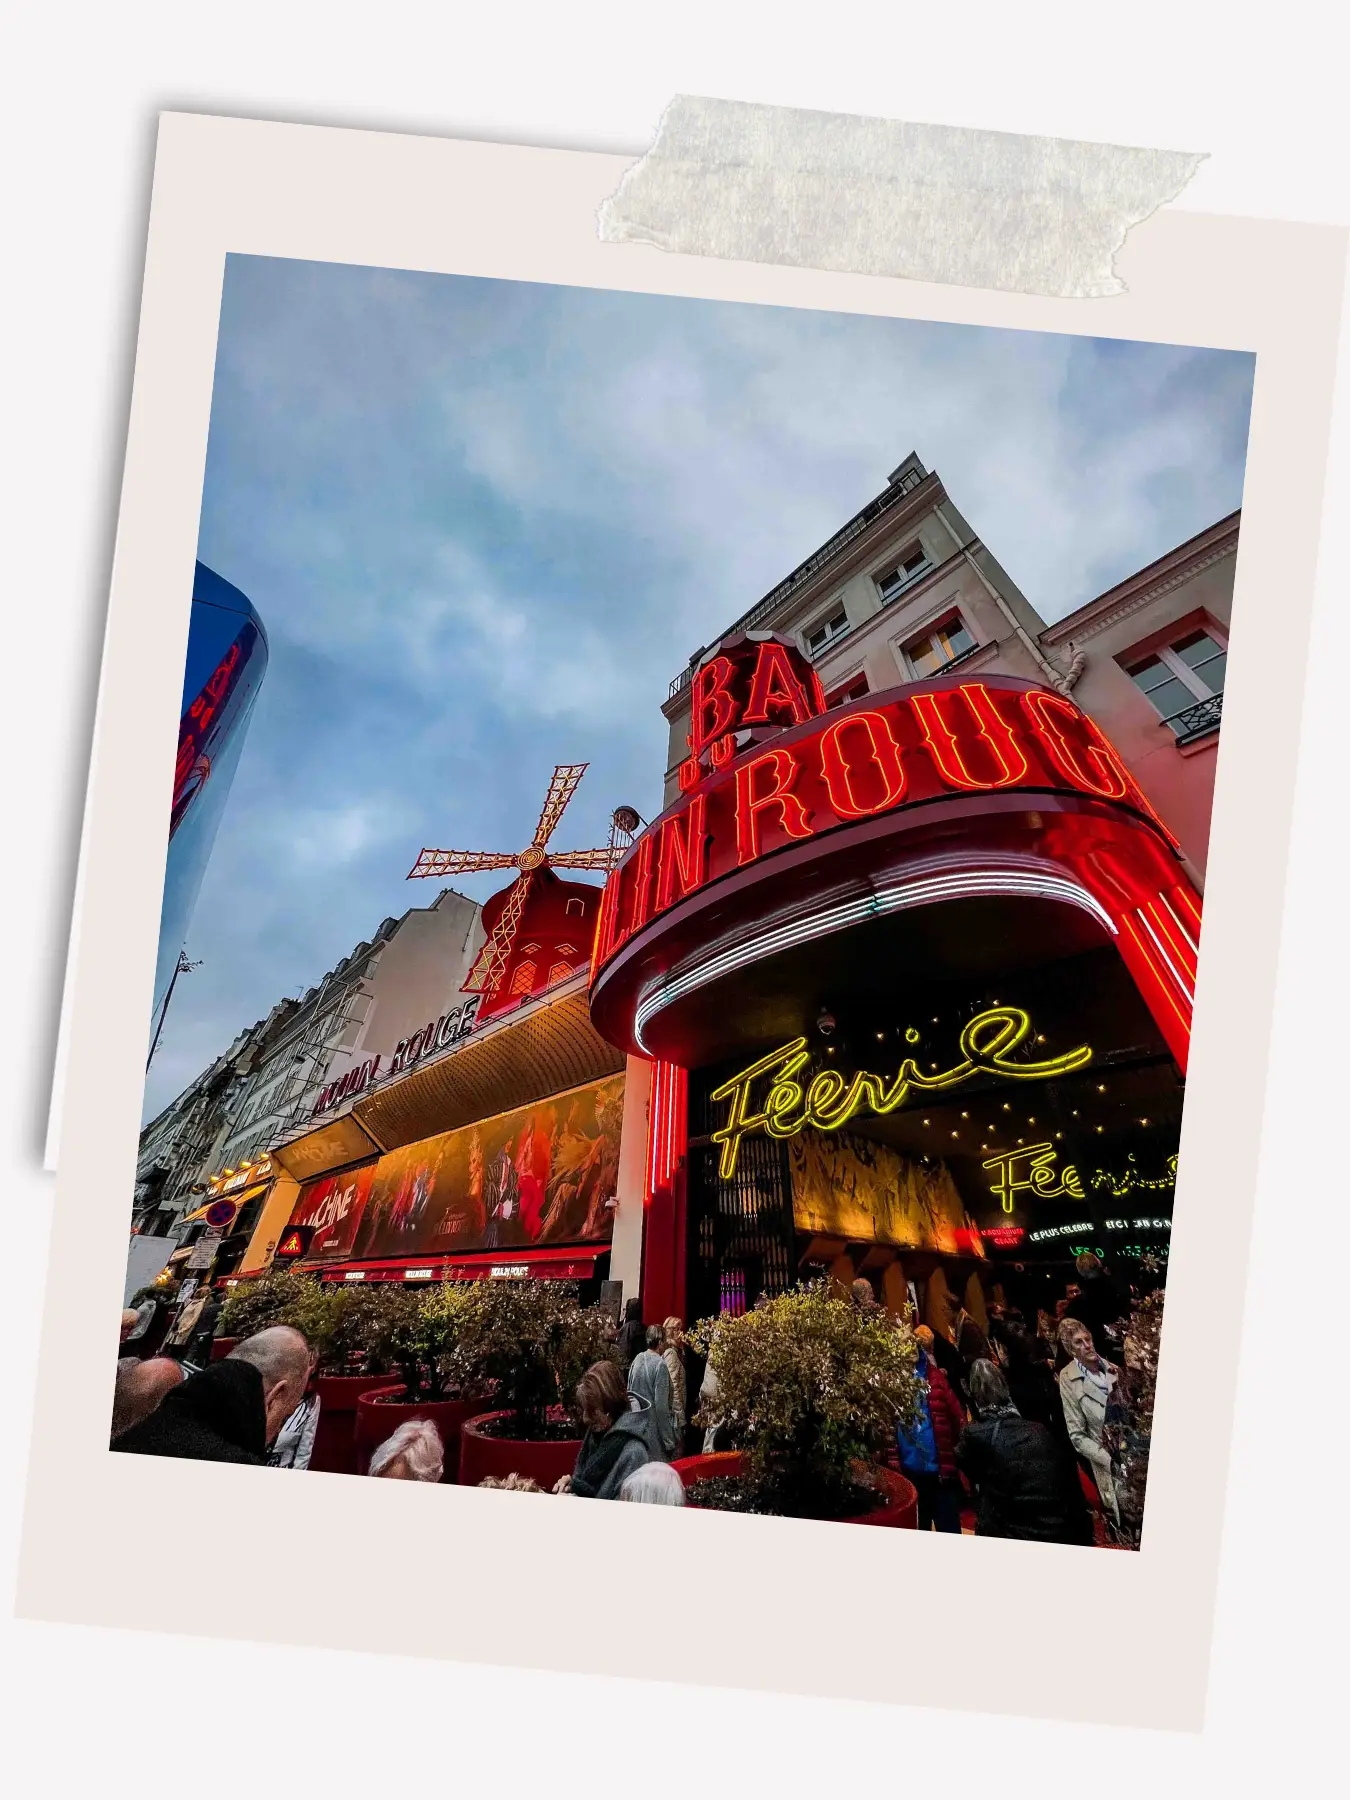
{"x":906,"y":590}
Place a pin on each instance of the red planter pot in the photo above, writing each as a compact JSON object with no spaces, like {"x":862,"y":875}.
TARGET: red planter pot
{"x":221,"y":1348}
{"x":480,"y":1455}
{"x":902,"y":1502}
{"x":380,"y":1413}
{"x":335,"y":1437}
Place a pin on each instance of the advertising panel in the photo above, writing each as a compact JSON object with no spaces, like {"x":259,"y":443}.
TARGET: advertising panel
{"x":544,"y":1174}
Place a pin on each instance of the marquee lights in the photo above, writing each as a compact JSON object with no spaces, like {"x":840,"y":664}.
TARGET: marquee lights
{"x":924,"y":890}
{"x":830,"y":1101}
{"x":1031,"y":1170}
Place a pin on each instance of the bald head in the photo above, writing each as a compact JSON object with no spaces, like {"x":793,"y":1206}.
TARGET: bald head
{"x":281,"y":1356}
{"x":140,"y":1388}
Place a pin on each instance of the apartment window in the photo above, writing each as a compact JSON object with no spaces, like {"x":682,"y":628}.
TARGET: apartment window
{"x":853,"y":689}
{"x":1184,"y":683}
{"x":938,"y":647}
{"x":911,"y":566}
{"x":821,"y":636}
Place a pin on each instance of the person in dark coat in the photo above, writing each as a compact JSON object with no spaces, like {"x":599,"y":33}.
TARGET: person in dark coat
{"x":618,"y":1434}
{"x":1024,"y":1487}
{"x":1099,"y":1304}
{"x":231,"y":1410}
{"x":198,"y":1348}
{"x":632,"y":1333}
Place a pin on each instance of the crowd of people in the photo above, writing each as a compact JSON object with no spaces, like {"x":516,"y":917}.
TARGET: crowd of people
{"x":1018,"y":1424}
{"x":1023,"y":1424}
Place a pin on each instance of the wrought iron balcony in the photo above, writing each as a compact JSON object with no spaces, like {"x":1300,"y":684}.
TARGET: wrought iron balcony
{"x":1197,"y":720}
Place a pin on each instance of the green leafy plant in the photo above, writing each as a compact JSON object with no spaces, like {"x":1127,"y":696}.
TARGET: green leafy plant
{"x":411,"y":1332}
{"x":813,"y":1389}
{"x":254,"y":1305}
{"x":528,"y":1343}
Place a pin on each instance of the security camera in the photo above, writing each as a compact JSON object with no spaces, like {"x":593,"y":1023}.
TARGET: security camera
{"x":825,"y":1024}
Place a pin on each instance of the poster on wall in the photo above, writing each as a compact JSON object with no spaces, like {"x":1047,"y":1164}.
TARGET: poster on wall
{"x":332,"y":1210}
{"x":850,"y":1187}
{"x":544,"y":1174}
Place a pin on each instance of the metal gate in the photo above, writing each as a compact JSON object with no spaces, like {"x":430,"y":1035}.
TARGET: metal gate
{"x":740,"y":1233}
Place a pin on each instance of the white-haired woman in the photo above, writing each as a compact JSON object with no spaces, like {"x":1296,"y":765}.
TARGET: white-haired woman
{"x":414,"y":1453}
{"x":1090,"y":1389}
{"x":656,"y":1483}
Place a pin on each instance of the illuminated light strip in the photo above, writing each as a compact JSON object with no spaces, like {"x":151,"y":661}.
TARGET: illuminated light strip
{"x":1191,"y":905}
{"x":1177,"y":941}
{"x":1181,"y":923}
{"x":1159,"y":983}
{"x":1182,"y":984}
{"x":880,"y":902}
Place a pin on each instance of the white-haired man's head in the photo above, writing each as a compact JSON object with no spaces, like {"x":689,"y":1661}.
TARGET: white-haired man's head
{"x":140,"y":1388}
{"x":281,"y":1356}
{"x":656,"y":1483}
{"x":414,"y":1453}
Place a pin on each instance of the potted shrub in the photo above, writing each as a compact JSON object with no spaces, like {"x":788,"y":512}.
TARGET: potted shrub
{"x":412,"y":1332}
{"x":812,"y":1388}
{"x":254,"y":1305}
{"x":528,"y":1343}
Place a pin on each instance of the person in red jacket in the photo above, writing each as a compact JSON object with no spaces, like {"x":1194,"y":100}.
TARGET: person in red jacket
{"x":928,"y":1448}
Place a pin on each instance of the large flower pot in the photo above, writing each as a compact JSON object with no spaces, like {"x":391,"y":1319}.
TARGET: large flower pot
{"x":542,"y":1460}
{"x":335,"y":1436}
{"x":380,"y":1413}
{"x":221,"y":1348}
{"x":902,"y":1501}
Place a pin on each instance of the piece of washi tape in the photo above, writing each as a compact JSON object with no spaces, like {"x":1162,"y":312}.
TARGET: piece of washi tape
{"x":986,"y":209}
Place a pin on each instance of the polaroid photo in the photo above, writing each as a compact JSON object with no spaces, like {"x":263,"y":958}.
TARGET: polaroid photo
{"x":642,"y":929}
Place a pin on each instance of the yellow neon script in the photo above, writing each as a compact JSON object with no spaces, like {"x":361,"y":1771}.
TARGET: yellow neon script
{"x":1031,"y":1170}
{"x":831,"y":1100}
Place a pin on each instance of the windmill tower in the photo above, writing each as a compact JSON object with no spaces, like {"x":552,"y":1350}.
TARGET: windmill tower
{"x":540,"y":928}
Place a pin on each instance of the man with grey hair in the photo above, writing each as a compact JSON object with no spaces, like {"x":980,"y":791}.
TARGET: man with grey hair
{"x":231,"y":1410}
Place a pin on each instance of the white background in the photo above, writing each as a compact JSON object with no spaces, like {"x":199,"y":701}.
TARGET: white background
{"x":120,"y":1711}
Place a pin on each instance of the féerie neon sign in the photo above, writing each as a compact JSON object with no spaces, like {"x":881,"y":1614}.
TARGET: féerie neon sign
{"x":830,"y":1100}
{"x":1031,"y":1170}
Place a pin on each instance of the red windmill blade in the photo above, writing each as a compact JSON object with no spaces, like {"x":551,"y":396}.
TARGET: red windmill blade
{"x":492,"y":959}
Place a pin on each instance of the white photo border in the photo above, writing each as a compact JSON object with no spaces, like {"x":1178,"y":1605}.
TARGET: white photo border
{"x":451,"y":1572}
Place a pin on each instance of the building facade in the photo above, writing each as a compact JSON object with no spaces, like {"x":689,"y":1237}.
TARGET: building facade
{"x":906,"y":591}
{"x":352,"y":1024}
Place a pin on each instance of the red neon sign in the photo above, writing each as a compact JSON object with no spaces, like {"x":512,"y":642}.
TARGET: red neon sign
{"x":882,"y":755}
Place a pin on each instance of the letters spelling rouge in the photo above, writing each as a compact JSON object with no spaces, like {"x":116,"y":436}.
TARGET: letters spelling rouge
{"x":858,"y":762}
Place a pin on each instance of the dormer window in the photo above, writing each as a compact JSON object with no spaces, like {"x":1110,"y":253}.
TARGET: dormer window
{"x":913,"y":565}
{"x":821,"y":636}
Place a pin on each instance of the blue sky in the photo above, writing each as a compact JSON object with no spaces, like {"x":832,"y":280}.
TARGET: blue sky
{"x":486,"y":522}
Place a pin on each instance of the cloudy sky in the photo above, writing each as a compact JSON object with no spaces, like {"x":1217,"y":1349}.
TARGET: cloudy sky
{"x":486,"y":522}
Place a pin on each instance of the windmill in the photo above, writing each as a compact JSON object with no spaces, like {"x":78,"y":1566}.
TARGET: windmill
{"x":487,"y":971}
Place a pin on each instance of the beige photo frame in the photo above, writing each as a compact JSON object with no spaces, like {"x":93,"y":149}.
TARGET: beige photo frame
{"x":456,"y":1573}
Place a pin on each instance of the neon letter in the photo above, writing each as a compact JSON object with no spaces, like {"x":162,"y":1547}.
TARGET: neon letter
{"x":882,"y":750}
{"x":713,"y":705}
{"x":775,"y":686}
{"x":940,"y":739}
{"x":1099,"y":770}
{"x":683,"y":857}
{"x":750,"y":802}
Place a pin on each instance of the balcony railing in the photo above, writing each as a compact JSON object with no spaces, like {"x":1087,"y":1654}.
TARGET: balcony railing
{"x":1196,"y":720}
